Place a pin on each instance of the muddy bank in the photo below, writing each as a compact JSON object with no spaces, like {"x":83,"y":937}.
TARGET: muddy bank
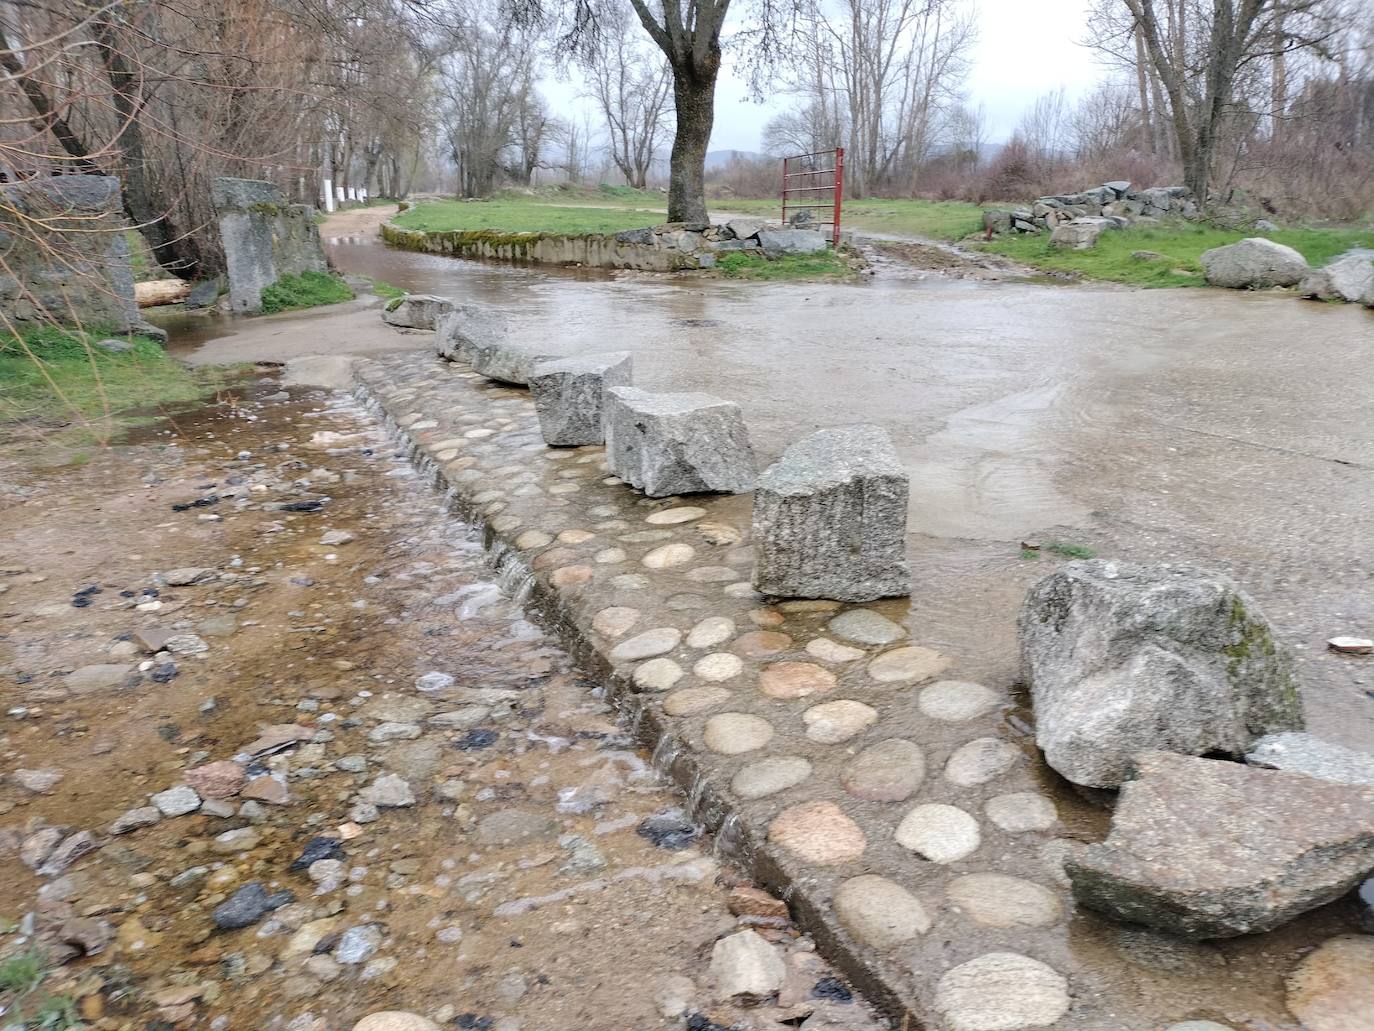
{"x":438,"y":802}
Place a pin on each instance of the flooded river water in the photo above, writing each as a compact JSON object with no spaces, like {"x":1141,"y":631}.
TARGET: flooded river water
{"x":1224,"y":429}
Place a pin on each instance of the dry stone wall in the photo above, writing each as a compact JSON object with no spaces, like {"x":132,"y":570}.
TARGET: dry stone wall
{"x":1115,"y":201}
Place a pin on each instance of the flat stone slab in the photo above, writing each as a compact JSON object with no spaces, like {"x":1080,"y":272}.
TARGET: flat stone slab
{"x":1207,"y":849}
{"x":830,"y":519}
{"x":1303,"y":753}
{"x":677,"y":443}
{"x":568,"y":395}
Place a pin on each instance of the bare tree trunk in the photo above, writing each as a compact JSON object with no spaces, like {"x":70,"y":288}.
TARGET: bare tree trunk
{"x":1142,"y":77}
{"x":1278,"y":102}
{"x":695,"y":99}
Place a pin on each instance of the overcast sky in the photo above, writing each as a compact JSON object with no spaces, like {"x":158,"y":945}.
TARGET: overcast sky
{"x":1025,"y":48}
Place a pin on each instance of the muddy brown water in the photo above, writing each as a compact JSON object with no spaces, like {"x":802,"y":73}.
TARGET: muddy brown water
{"x":1225,"y":429}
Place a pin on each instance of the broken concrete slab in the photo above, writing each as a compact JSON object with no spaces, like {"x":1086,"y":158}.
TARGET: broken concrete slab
{"x":677,"y":443}
{"x":1203,"y":848}
{"x":568,"y":395}
{"x":1124,"y":658}
{"x":830,"y":519}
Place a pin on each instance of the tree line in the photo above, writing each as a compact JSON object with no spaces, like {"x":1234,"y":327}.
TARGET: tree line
{"x":1275,"y":97}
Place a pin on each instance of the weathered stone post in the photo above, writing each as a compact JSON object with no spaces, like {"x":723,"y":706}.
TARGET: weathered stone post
{"x":264,"y":238}
{"x":66,"y":252}
{"x":568,"y":395}
{"x":677,"y":443}
{"x":830,"y":519}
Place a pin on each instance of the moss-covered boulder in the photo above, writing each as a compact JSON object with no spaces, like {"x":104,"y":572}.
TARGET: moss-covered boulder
{"x":1123,"y":658}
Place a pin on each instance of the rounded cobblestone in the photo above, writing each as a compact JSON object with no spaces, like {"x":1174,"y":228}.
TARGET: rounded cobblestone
{"x":879,"y":912}
{"x":615,"y":621}
{"x":1002,"y":991}
{"x":657,"y":675}
{"x":866,"y":627}
{"x":889,"y":771}
{"x":939,"y":833}
{"x":1022,"y":811}
{"x":718,"y":666}
{"x":907,"y":665}
{"x":647,"y":645}
{"x":795,"y":680}
{"x":818,"y":832}
{"x":695,"y":699}
{"x":957,"y":701}
{"x":997,"y":900}
{"x":711,"y":631}
{"x":769,"y":776}
{"x":734,"y":733}
{"x":669,"y":556}
{"x":831,"y":723}
{"x":981,"y":760}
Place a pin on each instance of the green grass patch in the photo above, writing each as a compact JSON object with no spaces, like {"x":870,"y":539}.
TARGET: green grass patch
{"x":824,"y":264}
{"x":307,"y":290}
{"x":938,"y":220}
{"x":50,"y":377}
{"x":1179,"y":248}
{"x":22,"y":1002}
{"x":523,"y":215}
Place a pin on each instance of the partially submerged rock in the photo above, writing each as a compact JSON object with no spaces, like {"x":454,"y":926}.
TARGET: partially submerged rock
{"x":415,"y":311}
{"x":677,"y":443}
{"x":464,"y":327}
{"x":503,"y":361}
{"x":1208,"y":849}
{"x":1253,"y":264}
{"x":568,"y":395}
{"x":1124,"y":658}
{"x":830,"y":519}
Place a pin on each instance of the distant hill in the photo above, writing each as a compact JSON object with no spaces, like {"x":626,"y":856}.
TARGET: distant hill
{"x":720,"y":158}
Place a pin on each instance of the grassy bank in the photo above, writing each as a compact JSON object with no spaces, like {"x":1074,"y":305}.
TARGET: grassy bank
{"x":308,"y":290}
{"x":52,"y":380}
{"x":820,"y":265}
{"x":1166,"y":255}
{"x":938,"y":220}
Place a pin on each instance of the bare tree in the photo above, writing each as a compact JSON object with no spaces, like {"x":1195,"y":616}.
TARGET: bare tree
{"x":1208,"y":56}
{"x":630,"y":88}
{"x":886,"y":75}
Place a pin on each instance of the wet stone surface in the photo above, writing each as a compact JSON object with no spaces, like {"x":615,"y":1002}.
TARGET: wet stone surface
{"x":760,"y":746}
{"x":381,"y":795}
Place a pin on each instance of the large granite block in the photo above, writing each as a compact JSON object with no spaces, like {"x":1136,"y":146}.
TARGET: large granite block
{"x":568,"y":396}
{"x":830,"y":519}
{"x":677,"y":443}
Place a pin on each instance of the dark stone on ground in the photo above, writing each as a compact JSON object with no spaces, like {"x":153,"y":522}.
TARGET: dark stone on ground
{"x":248,"y":905}
{"x":670,"y":828}
{"x":317,"y":849}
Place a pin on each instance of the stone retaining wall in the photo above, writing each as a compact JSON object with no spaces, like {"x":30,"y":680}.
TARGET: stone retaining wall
{"x":895,"y":805}
{"x":673,"y":247}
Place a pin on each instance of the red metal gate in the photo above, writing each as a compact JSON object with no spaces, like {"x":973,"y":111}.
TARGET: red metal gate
{"x":817,"y":179}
